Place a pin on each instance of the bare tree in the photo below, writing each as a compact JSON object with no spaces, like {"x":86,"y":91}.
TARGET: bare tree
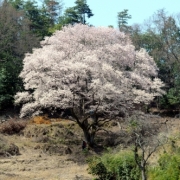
{"x":146,"y":141}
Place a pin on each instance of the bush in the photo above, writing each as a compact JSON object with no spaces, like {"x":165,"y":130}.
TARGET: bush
{"x":120,"y":166}
{"x":12,"y":126}
{"x":168,"y":168}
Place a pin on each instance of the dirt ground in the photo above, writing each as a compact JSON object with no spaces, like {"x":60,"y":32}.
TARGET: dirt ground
{"x":35,"y":165}
{"x":53,"y":151}
{"x":37,"y":161}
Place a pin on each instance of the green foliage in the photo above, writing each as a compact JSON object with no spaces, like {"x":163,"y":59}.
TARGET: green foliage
{"x":168,"y":168}
{"x":76,"y":14}
{"x":123,"y":18}
{"x":40,"y":21}
{"x":82,"y":10}
{"x":39,"y":17}
{"x":53,"y":9}
{"x":161,"y":38}
{"x":9,"y":84}
{"x":55,"y":28}
{"x":120,"y":166}
{"x":173,"y":96}
{"x":16,"y":40}
{"x":70,"y":16}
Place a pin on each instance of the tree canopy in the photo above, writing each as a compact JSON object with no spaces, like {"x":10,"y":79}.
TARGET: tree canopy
{"x":91,"y":71}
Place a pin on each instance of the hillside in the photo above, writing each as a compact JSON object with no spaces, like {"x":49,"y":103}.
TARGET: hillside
{"x":46,"y":152}
{"x":53,"y":151}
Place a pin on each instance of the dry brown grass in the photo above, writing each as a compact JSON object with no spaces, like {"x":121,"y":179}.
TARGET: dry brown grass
{"x":12,"y":126}
{"x":35,"y":164}
{"x":40,"y":120}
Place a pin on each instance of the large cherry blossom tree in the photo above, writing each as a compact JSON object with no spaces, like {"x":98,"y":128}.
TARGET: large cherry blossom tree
{"x":94,"y":72}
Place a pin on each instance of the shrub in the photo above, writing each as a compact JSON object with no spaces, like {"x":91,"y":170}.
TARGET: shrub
{"x":120,"y":166}
{"x":168,"y":168}
{"x":12,"y":126}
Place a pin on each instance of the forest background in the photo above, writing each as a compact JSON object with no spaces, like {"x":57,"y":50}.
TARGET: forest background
{"x":23,"y":24}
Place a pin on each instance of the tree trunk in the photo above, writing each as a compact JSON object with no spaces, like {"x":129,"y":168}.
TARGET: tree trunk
{"x":89,"y":137}
{"x":143,"y":172}
{"x":143,"y":175}
{"x":89,"y":132}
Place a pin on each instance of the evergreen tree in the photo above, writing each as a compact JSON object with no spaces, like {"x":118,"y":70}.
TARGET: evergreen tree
{"x":39,"y":17}
{"x":123,"y":18}
{"x":53,"y":9}
{"x":77,"y":14}
{"x":83,"y":10}
{"x":16,"y":39}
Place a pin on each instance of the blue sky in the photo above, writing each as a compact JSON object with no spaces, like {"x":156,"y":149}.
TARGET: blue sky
{"x":105,"y":11}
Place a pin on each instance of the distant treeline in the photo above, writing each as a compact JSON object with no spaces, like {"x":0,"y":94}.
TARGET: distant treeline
{"x":23,"y":24}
